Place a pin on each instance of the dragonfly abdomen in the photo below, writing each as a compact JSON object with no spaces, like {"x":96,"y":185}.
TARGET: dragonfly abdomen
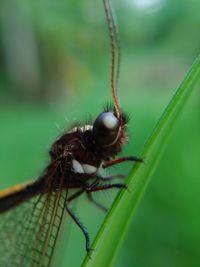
{"x":15,"y":195}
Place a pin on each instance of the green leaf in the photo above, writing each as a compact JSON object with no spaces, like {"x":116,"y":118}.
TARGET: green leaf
{"x":112,"y":232}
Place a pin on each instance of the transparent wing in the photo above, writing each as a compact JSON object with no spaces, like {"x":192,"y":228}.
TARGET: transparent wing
{"x":28,"y":233}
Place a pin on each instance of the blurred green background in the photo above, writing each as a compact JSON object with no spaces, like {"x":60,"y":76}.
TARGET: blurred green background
{"x":54,"y":71}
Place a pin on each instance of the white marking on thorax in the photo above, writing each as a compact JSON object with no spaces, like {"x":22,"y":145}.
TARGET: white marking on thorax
{"x":83,"y":168}
{"x":77,"y":168}
{"x":89,"y":169}
{"x":73,"y":130}
{"x":84,"y":128}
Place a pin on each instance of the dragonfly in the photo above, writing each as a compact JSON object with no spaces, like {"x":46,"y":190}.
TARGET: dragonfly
{"x":34,"y":211}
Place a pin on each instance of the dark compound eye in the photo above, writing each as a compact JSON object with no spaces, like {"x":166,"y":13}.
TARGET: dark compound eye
{"x":105,"y":128}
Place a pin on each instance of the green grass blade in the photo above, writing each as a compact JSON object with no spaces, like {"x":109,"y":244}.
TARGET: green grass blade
{"x":112,"y":232}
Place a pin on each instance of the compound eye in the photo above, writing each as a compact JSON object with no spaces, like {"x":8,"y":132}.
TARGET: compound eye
{"x":105,"y":128}
{"x":109,"y":120}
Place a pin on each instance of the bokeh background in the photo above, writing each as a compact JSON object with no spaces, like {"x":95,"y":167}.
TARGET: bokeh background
{"x":54,"y":71}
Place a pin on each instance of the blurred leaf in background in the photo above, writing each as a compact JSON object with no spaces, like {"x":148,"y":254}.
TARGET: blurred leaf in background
{"x":54,"y":64}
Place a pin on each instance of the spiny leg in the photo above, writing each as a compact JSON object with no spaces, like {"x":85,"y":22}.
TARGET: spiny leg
{"x":119,"y":160}
{"x":99,"y":205}
{"x":76,"y":220}
{"x":81,"y":226}
{"x":95,"y":185}
{"x":75,"y":195}
{"x":111,"y":177}
{"x":106,"y":187}
{"x":92,"y":188}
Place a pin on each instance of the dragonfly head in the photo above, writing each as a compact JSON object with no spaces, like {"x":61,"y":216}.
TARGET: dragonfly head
{"x":109,"y":129}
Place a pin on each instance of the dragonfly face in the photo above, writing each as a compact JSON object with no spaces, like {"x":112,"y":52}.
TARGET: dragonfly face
{"x":109,"y":130}
{"x":75,"y":159}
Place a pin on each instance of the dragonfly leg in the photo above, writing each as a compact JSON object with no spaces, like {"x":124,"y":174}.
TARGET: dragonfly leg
{"x":75,"y":195}
{"x":106,"y":187}
{"x":112,"y":162}
{"x":76,"y":219}
{"x":99,"y":205}
{"x":81,"y":226}
{"x":111,"y":177}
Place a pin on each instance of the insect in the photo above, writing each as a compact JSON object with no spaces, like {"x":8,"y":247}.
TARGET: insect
{"x":34,"y":211}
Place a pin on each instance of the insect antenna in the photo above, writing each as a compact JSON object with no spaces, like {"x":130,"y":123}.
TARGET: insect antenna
{"x":114,"y":37}
{"x":117,"y":40}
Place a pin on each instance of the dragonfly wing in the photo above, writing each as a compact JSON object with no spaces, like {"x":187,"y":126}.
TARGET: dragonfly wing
{"x":29,"y":232}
